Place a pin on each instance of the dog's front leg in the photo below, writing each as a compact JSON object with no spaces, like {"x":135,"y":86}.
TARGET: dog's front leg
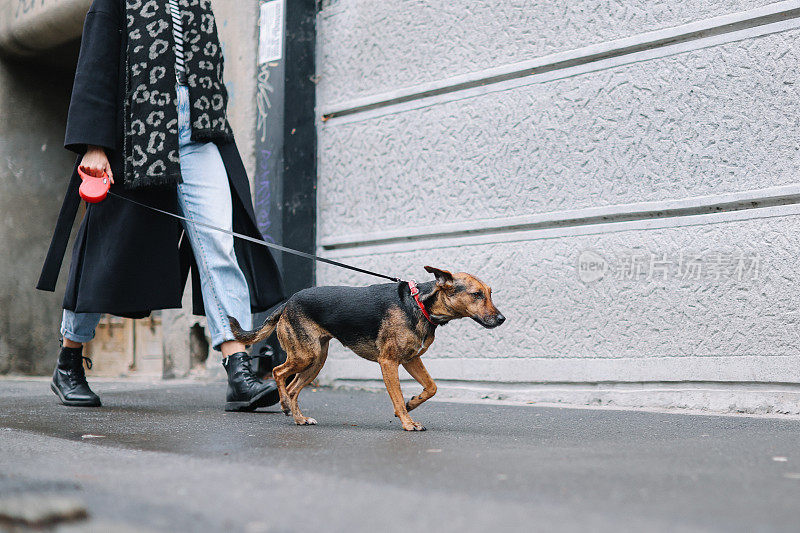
{"x":420,"y":373}
{"x":392,"y":381}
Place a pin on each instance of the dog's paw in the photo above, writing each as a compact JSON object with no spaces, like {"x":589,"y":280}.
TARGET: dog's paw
{"x":413,"y":426}
{"x":306,"y":421}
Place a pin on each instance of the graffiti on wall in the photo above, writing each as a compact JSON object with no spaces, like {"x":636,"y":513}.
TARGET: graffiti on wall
{"x":29,"y":6}
{"x":271,"y":22}
{"x":263,"y":104}
{"x":263,"y":196}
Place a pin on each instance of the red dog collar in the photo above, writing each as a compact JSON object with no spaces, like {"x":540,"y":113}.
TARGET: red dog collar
{"x":415,"y":293}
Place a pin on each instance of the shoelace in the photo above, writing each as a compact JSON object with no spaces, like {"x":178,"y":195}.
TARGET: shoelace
{"x":76,"y":374}
{"x":249,"y":376}
{"x":249,"y":357}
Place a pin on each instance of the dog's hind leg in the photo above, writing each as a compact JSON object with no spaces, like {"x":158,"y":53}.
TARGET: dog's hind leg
{"x":293,"y":365}
{"x":392,"y":381}
{"x":289,"y":388}
{"x":304,"y":378}
{"x":420,"y":373}
{"x":303,"y":342}
{"x":300,"y":381}
{"x":292,"y":385}
{"x":289,"y":397}
{"x":279,"y":374}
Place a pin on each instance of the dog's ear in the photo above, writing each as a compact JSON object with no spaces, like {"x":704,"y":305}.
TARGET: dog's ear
{"x":443,"y":277}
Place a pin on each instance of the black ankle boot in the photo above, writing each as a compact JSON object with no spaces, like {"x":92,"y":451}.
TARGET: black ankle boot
{"x":69,"y":381}
{"x":246,"y":392}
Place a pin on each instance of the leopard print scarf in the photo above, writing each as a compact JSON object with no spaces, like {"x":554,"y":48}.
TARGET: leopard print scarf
{"x":151,"y":112}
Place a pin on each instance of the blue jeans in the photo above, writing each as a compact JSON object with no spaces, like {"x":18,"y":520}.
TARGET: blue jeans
{"x":204,"y":196}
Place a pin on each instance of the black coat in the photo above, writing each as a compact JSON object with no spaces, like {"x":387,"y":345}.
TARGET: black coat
{"x":126,"y":260}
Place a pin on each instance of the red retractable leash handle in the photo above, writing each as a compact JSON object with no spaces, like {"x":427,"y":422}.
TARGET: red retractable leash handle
{"x":93,"y":189}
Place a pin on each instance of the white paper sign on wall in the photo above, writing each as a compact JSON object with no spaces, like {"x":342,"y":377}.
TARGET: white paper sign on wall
{"x":270,"y":42}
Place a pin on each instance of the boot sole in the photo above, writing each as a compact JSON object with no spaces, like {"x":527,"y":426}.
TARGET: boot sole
{"x":73,"y":403}
{"x":265,"y":399}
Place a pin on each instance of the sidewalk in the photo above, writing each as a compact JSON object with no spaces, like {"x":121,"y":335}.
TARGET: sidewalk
{"x":165,"y":457}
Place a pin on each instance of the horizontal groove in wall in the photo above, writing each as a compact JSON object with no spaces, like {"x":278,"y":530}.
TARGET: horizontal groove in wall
{"x":695,"y":31}
{"x":777,"y":212}
{"x":703,"y":205}
{"x":524,"y":371}
{"x":631,"y":386}
{"x":687,"y":397}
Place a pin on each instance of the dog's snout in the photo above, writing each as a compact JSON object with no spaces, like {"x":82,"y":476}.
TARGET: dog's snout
{"x":490,"y":321}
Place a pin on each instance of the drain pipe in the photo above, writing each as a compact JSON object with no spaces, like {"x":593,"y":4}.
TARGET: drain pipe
{"x":31,"y":27}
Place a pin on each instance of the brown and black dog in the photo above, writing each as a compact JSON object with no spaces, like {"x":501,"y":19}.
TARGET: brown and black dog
{"x":381,"y":323}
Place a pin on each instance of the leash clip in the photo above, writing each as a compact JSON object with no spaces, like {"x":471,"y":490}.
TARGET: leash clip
{"x":412,"y":284}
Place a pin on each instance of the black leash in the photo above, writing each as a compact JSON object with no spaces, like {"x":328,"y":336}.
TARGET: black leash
{"x":257,"y":241}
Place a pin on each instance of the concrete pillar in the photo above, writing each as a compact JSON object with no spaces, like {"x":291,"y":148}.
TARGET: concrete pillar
{"x":28,"y":27}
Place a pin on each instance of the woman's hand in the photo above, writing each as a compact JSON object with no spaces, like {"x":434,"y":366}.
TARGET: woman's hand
{"x":95,"y":162}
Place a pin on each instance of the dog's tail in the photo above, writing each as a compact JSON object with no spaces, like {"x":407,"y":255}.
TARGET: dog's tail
{"x":251,"y":337}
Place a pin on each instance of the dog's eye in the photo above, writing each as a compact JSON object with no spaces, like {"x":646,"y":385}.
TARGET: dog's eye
{"x":477,"y":295}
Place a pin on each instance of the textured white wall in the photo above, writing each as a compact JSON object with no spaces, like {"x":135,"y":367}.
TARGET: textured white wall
{"x":711,"y":122}
{"x":368,"y":47}
{"x":552,"y":313}
{"x":698,"y":123}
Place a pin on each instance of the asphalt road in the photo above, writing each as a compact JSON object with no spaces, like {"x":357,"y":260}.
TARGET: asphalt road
{"x":165,"y":457}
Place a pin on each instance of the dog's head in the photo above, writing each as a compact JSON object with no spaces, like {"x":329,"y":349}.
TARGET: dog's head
{"x":461,"y":295}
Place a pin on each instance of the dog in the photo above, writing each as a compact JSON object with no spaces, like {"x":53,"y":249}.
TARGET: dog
{"x":392,"y":324}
